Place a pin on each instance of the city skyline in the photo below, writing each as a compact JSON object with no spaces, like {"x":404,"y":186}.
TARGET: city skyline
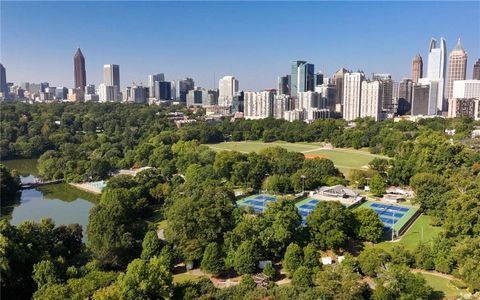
{"x":207,"y":67}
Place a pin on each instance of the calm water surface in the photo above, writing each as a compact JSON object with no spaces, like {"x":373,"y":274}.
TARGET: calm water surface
{"x":61,"y":202}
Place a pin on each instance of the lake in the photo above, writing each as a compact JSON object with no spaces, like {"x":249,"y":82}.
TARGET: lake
{"x":61,"y":202}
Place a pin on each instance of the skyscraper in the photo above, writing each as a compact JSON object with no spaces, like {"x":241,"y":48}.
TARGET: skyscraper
{"x":111,"y":75}
{"x":79,"y":70}
{"x":436,"y":72}
{"x":476,"y":70}
{"x":302,"y":77}
{"x":405,"y":96}
{"x":338,"y":81}
{"x":111,"y":78}
{"x":420,"y":100}
{"x":352,"y":88}
{"x":151,"y":83}
{"x":457,"y":67}
{"x":386,"y":92}
{"x":283,"y":85}
{"x":228,"y":86}
{"x":371,"y":99}
{"x":3,"y":82}
{"x":417,"y":68}
{"x":182,"y":87}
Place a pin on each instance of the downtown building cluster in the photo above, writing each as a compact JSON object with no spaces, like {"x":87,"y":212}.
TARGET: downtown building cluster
{"x":302,"y":94}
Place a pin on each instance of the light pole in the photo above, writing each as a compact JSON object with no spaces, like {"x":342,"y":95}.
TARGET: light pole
{"x":266,"y":182}
{"x":303,"y":183}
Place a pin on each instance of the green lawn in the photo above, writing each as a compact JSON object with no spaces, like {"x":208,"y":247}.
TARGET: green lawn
{"x":443,"y":285}
{"x":182,"y":277}
{"x":413,"y":236}
{"x":344,"y":158}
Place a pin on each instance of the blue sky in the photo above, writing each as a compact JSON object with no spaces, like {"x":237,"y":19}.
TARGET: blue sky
{"x":254,"y":41}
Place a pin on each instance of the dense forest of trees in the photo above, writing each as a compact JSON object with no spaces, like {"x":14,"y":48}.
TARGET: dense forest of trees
{"x":192,"y":188}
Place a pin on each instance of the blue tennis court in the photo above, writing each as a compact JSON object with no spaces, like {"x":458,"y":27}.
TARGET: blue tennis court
{"x":305,"y":208}
{"x":391,"y":215}
{"x":258,"y":203}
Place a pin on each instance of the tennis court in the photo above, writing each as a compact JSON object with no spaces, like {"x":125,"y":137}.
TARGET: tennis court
{"x":305,"y":208}
{"x":392,"y":215}
{"x":257,"y":202}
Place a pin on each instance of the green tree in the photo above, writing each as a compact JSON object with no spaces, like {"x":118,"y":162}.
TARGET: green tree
{"x":357,"y":178}
{"x":302,"y":277}
{"x":44,"y":273}
{"x":430,"y":192}
{"x":328,"y":225}
{"x":269,"y":271}
{"x":372,"y":260}
{"x":114,"y":229}
{"x":213,"y":259}
{"x":151,"y":245}
{"x":369,"y":226}
{"x":293,"y":259}
{"x":339,"y":282}
{"x":146,"y":279}
{"x":246,"y":258}
{"x":10,"y":183}
{"x":377,"y":185}
{"x":199,"y":215}
{"x":310,"y":257}
{"x":398,"y":281}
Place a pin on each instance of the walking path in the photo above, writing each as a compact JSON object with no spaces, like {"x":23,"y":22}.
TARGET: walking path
{"x":434,"y":273}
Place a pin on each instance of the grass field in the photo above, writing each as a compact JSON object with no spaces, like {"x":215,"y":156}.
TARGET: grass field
{"x":413,"y":236}
{"x":344,"y":158}
{"x":443,"y":285}
{"x":182,"y":277}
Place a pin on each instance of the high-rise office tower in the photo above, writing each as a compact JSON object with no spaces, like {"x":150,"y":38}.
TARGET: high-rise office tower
{"x":457,"y":67}
{"x":476,"y":70}
{"x":318,"y":78}
{"x":151,"y":83}
{"x":352,"y":88}
{"x":79,"y":70}
{"x":417,"y":68}
{"x":386,"y":92}
{"x":163,"y":90}
{"x":420,"y":100}
{"x":111,"y":75}
{"x":43,"y":86}
{"x":405,"y":90}
{"x":436,"y":73}
{"x":182,"y":87}
{"x":302,"y":77}
{"x":283,"y":85}
{"x":228,"y":86}
{"x":259,"y":105}
{"x":338,"y":81}
{"x":3,"y":82}
{"x":371,"y":99}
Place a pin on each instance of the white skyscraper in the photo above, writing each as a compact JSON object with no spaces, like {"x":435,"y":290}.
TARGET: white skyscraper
{"x":108,"y":93}
{"x":371,"y":105}
{"x":352,"y":88}
{"x":228,"y":86}
{"x":436,"y":72}
{"x":307,"y":100}
{"x":259,"y":105}
{"x":151,"y":83}
{"x":111,"y":78}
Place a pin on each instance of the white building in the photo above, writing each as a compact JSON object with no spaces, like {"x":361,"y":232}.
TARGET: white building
{"x":371,"y":105}
{"x":307,"y":100}
{"x":228,"y":86}
{"x":108,"y":93}
{"x":352,"y":87}
{"x":466,"y":89}
{"x":282,"y":103}
{"x":259,"y":105}
{"x":151,"y":83}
